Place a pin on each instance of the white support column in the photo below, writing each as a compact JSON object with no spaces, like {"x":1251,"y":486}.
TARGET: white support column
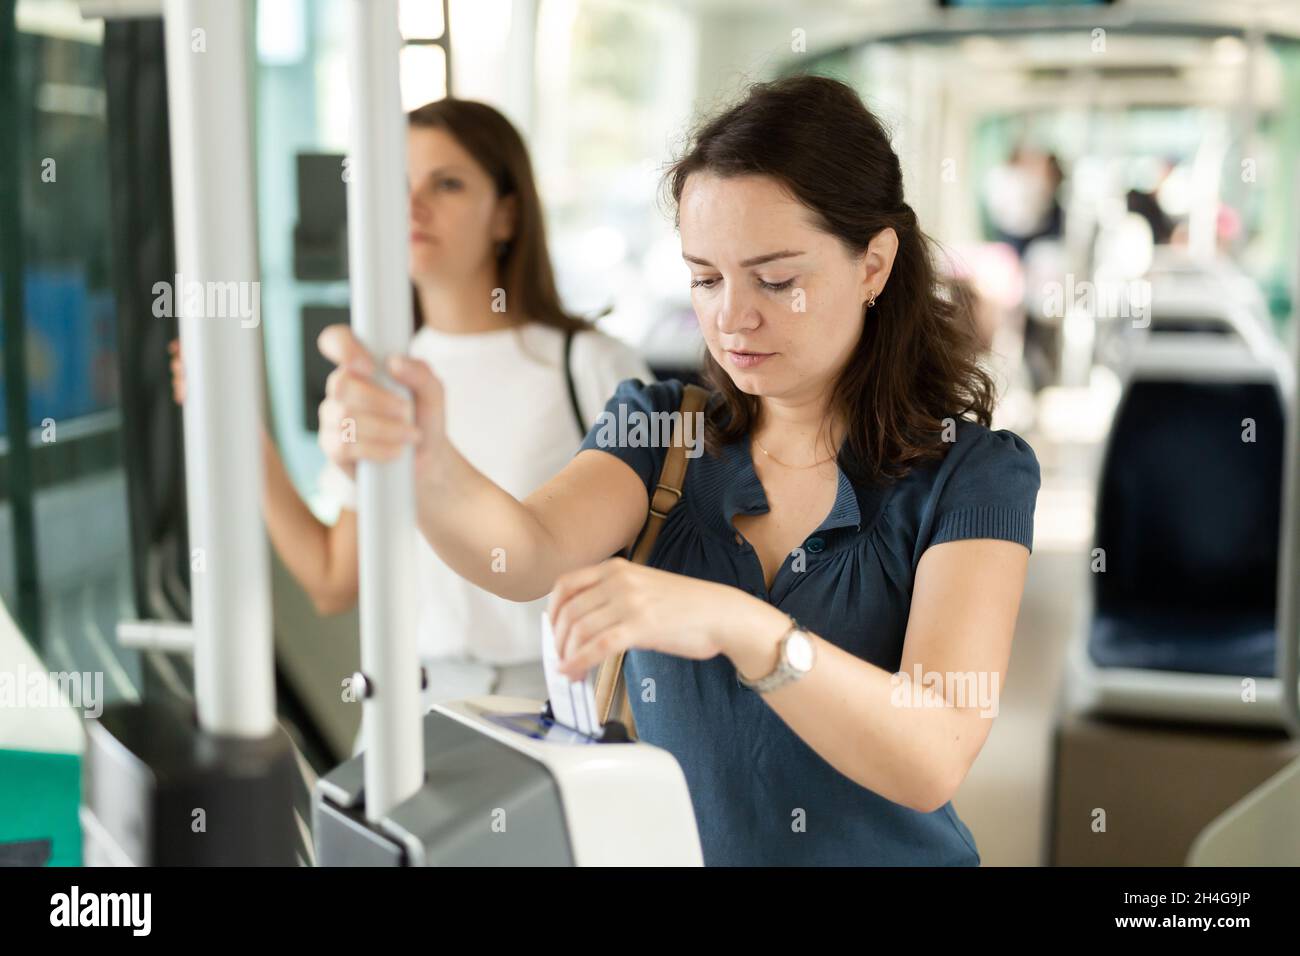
{"x":217,"y":296}
{"x":1288,"y":583}
{"x":381,"y":319}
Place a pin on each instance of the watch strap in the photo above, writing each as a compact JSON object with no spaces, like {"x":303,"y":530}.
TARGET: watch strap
{"x":782,"y":673}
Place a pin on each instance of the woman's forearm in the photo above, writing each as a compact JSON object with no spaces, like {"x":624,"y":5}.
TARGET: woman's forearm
{"x":911,"y":748}
{"x":320,"y":558}
{"x":484,"y":533}
{"x":907,"y":747}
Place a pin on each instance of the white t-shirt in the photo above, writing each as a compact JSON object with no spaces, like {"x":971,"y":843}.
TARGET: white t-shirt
{"x":509,"y":414}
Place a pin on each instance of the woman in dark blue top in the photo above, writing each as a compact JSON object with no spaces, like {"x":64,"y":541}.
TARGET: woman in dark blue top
{"x":851,"y":581}
{"x":821,"y":635}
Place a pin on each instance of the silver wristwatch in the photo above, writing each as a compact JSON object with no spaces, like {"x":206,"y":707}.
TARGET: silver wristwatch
{"x":795,"y":657}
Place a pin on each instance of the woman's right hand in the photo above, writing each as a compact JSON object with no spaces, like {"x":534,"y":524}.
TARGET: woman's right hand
{"x":363,"y":420}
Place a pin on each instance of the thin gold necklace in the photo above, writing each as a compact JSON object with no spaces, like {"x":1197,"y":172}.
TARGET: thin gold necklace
{"x":783,"y":464}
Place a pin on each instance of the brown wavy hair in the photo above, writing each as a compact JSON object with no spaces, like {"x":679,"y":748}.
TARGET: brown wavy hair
{"x":524,"y":264}
{"x":916,"y":363}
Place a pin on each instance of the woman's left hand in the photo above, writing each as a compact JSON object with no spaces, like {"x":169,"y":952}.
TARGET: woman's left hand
{"x":616,"y":605}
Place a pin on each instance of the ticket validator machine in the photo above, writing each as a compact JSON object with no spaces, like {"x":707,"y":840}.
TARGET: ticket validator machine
{"x":491,"y":780}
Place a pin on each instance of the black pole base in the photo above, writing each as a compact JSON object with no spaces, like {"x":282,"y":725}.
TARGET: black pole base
{"x":158,"y":791}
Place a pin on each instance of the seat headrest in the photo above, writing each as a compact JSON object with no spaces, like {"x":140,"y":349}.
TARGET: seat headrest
{"x":1189,"y":501}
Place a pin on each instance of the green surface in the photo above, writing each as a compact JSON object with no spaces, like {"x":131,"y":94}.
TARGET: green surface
{"x":39,"y":797}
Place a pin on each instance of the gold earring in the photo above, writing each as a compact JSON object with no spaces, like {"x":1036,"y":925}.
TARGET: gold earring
{"x":871,"y":300}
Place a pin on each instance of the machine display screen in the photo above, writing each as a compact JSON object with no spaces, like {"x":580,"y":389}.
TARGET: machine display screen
{"x":541,"y":727}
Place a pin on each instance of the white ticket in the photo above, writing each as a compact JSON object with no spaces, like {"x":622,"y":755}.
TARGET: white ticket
{"x":572,"y":702}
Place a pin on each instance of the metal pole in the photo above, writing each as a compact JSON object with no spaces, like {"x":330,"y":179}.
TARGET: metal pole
{"x":217,"y":295}
{"x":1288,"y":589}
{"x":381,"y":310}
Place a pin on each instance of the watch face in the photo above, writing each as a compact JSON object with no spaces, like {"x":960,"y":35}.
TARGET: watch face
{"x":799,"y":651}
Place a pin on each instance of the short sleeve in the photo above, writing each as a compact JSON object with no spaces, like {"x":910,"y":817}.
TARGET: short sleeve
{"x":632,"y":425}
{"x":986,"y":487}
{"x":335,"y":484}
{"x":600,"y":363}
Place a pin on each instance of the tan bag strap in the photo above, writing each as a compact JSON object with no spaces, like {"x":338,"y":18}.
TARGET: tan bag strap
{"x":610,"y":689}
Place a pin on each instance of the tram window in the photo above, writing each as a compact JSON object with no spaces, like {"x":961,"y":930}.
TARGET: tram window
{"x":76,"y":566}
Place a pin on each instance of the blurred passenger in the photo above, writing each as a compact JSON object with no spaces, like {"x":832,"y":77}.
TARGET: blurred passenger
{"x":1144,"y":199}
{"x":1023,"y":202}
{"x":1021,"y":198}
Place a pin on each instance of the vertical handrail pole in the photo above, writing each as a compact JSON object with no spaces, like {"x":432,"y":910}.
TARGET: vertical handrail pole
{"x":1288,"y":590}
{"x":216,"y":293}
{"x":381,"y":318}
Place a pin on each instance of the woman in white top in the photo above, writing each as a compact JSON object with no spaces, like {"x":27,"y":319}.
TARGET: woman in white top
{"x":489,"y":322}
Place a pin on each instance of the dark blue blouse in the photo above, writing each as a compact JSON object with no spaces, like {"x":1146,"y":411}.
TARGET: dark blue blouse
{"x":762,"y":796}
